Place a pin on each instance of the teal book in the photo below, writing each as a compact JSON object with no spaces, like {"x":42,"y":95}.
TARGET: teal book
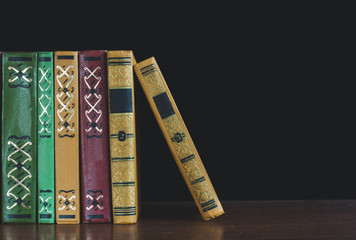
{"x":45,"y":131}
{"x":19,"y":137}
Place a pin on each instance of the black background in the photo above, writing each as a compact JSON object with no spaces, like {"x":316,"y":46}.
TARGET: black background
{"x":257,"y":87}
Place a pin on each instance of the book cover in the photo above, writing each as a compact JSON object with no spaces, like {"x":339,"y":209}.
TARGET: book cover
{"x":45,"y":150}
{"x":178,"y":139}
{"x":122,"y":136}
{"x":66,"y":106}
{"x":94,"y":137}
{"x":19,"y":137}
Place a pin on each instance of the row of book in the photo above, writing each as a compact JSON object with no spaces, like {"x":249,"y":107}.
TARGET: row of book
{"x":69,"y":137}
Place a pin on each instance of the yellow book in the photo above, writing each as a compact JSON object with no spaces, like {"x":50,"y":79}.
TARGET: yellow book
{"x":178,"y":139}
{"x":66,"y":137}
{"x":122,"y":136}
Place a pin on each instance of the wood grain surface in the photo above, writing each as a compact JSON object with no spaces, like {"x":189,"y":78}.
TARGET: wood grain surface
{"x":309,"y":219}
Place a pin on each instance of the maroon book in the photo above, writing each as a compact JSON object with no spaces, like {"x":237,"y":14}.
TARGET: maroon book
{"x":94,"y":138}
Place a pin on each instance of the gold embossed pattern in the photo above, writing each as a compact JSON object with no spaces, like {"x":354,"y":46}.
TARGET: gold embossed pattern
{"x":121,"y":123}
{"x":122,"y":138}
{"x":120,"y":76}
{"x":154,"y":84}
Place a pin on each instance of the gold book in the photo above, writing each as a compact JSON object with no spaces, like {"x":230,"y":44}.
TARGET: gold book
{"x":66,"y":137}
{"x":178,"y":139}
{"x":122,"y":136}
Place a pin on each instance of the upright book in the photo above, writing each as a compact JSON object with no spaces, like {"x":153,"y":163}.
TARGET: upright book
{"x":45,"y":150}
{"x":122,"y":136}
{"x":66,"y":137}
{"x":19,"y":137}
{"x":94,"y":137}
{"x":178,"y":139}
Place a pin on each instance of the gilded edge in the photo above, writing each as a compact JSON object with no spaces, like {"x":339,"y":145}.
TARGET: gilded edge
{"x":201,"y":187}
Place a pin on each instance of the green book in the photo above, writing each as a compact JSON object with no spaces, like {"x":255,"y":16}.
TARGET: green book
{"x":19,"y":137}
{"x":45,"y":151}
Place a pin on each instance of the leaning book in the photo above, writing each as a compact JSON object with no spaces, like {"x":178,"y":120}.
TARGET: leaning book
{"x":178,"y":138}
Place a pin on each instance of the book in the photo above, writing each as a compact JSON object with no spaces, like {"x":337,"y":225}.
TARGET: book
{"x":122,"y":136}
{"x":66,"y":137}
{"x":178,"y":138}
{"x":94,"y":137}
{"x":19,"y":137}
{"x":45,"y":150}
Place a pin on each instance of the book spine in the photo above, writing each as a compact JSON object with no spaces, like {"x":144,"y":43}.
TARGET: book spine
{"x":66,"y":137}
{"x":122,"y":136}
{"x":94,"y":137}
{"x":19,"y":137}
{"x":45,"y":150}
{"x":178,"y":138}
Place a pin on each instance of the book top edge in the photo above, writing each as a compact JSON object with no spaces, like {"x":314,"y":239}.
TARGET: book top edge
{"x":121,"y":53}
{"x":45,"y":53}
{"x":17,"y":54}
{"x":61,"y":53}
{"x":146,"y":62}
{"x":92,"y":52}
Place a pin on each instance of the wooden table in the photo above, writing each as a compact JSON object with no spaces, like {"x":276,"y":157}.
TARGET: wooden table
{"x":309,"y":219}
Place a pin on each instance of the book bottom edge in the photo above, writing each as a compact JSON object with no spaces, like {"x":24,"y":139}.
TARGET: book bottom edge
{"x":213,"y":214}
{"x":125,"y":220}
